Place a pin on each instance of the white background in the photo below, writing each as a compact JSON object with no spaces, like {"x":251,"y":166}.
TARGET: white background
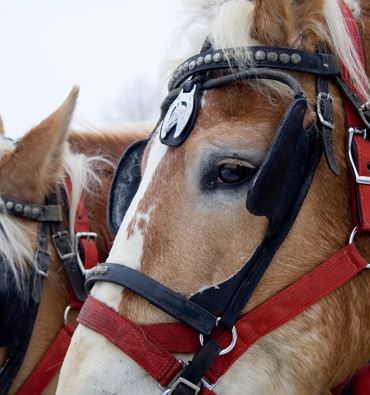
{"x":47,"y":46}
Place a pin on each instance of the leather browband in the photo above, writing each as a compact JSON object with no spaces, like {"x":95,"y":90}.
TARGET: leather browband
{"x":159,"y":295}
{"x":269,"y":57}
{"x":33,"y":211}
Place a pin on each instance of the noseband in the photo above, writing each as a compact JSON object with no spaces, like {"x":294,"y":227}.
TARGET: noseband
{"x":277,"y":192}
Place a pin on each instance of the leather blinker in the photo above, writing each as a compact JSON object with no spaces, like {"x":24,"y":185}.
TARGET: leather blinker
{"x":125,"y":183}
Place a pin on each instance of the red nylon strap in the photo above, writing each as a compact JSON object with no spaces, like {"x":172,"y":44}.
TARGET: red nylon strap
{"x":149,"y":345}
{"x":291,"y":301}
{"x":131,"y":339}
{"x":88,"y":246}
{"x":361,"y":192}
{"x":49,"y":364}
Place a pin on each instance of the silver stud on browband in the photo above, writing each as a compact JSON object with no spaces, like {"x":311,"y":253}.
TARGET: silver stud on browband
{"x":284,"y":58}
{"x":200,"y":61}
{"x":208,"y":59}
{"x":272,"y":57}
{"x":9,"y":205}
{"x":36,"y":211}
{"x":217,"y":57}
{"x":185,"y":66}
{"x":260,"y":55}
{"x":18,"y":208}
{"x":192,"y":65}
{"x":27,"y":210}
{"x":296,"y":58}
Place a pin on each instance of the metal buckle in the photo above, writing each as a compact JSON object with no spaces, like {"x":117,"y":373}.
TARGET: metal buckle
{"x":352,"y":238}
{"x":351,"y":132}
{"x":63,"y":235}
{"x":320,"y":97}
{"x":78,"y":237}
{"x":181,"y":380}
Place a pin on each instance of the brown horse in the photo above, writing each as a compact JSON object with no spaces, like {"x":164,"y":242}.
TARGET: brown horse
{"x":188,"y":227}
{"x":28,"y":171}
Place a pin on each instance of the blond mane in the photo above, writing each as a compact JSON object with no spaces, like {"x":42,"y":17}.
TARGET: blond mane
{"x":228,"y":24}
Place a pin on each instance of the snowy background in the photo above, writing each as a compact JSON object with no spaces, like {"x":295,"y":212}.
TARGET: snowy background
{"x":111,"y":49}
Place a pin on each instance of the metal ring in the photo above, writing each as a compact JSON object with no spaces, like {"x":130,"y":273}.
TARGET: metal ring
{"x":66,"y":313}
{"x":232,"y":344}
{"x":352,"y":235}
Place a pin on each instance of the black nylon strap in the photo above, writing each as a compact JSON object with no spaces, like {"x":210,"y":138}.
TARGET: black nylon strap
{"x":159,"y":295}
{"x":201,"y":363}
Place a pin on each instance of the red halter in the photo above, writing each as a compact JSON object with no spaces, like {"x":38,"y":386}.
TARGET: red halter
{"x":151,"y":346}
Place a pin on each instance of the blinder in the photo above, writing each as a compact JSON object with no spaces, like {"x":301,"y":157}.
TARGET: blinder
{"x":125,"y":183}
{"x":282,"y":171}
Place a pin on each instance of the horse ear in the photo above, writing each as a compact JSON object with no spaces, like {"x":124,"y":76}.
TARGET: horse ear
{"x":36,"y":162}
{"x":2,"y":130}
{"x":291,"y":23}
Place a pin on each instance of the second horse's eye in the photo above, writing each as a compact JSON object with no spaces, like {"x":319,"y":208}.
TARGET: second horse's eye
{"x":234,"y":173}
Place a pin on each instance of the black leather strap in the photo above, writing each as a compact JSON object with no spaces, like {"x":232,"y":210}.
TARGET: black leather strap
{"x":325,"y":122}
{"x":159,"y":295}
{"x":261,"y":57}
{"x":18,"y":311}
{"x":64,"y":247}
{"x":33,"y":211}
{"x":358,"y":104}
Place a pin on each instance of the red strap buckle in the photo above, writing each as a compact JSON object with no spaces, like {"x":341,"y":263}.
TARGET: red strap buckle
{"x":85,"y":236}
{"x":351,"y":133}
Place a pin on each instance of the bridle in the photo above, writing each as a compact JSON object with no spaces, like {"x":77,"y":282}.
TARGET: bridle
{"x":287,"y":172}
{"x":17,"y":311}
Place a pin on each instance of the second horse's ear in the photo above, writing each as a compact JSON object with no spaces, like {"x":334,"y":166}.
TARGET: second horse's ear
{"x":2,"y":130}
{"x":29,"y":171}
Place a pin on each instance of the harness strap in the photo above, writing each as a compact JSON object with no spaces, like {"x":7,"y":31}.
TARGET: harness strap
{"x":357,"y":115}
{"x":53,"y":358}
{"x":145,"y":345}
{"x":49,"y":364}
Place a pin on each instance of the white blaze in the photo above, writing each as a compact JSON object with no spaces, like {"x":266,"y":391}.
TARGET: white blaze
{"x":104,"y":368}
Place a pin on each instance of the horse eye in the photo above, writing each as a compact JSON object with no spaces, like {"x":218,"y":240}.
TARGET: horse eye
{"x":233,"y":173}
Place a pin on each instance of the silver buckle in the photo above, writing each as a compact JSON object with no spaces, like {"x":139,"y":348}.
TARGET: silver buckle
{"x":78,"y":237}
{"x":68,"y":255}
{"x":181,"y":380}
{"x":320,"y":97}
{"x":351,"y":132}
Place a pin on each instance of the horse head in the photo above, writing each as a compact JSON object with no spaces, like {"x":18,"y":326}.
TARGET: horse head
{"x":229,"y":204}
